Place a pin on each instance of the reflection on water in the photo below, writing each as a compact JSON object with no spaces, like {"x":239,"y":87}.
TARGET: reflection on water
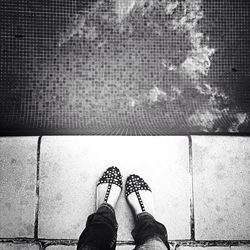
{"x":135,"y":63}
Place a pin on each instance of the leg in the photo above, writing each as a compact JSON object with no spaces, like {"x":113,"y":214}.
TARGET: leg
{"x":101,"y":227}
{"x":148,"y":233}
{"x":101,"y":230}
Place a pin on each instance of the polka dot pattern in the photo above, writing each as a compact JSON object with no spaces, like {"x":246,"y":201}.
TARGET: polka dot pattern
{"x":111,"y":176}
{"x":135,"y":183}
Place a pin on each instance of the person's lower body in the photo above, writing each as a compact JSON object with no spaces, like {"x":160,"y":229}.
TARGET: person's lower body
{"x":149,"y":234}
{"x":101,"y":230}
{"x":101,"y":227}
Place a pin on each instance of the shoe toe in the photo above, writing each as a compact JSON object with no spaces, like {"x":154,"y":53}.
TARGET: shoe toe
{"x":111,"y":175}
{"x":135,"y":183}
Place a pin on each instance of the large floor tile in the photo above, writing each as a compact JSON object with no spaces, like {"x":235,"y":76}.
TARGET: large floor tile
{"x":203,"y":248}
{"x":125,"y":247}
{"x":240,"y":247}
{"x":17,"y":186}
{"x":11,"y":246}
{"x":222,"y":187}
{"x":62,"y":247}
{"x":71,"y":166}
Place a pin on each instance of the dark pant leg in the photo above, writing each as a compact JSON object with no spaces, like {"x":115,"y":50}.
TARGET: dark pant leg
{"x":101,"y":230}
{"x":148,"y":228}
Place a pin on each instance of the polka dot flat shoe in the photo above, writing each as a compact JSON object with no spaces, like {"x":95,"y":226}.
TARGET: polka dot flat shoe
{"x":112,"y":176}
{"x":135,"y":183}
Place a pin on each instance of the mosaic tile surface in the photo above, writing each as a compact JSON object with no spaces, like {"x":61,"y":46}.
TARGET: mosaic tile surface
{"x":137,"y":66}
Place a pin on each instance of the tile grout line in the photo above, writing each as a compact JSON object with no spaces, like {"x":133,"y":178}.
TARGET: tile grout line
{"x":73,"y":242}
{"x":192,"y":217}
{"x":37,"y":187}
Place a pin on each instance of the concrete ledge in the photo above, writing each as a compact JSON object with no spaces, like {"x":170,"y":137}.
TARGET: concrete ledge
{"x":71,"y":166}
{"x":216,"y":166}
{"x":203,"y":248}
{"x":214,"y":248}
{"x":18,"y":168}
{"x":221,"y":188}
{"x":240,"y":247}
{"x":12,"y":246}
{"x":61,"y":247}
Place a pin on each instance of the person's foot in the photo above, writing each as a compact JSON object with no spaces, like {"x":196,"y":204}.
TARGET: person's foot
{"x":139,"y":195}
{"x":109,"y":187}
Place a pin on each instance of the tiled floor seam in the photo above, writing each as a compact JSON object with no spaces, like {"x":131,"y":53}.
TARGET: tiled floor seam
{"x":192,"y":218}
{"x":22,"y":241}
{"x":43,"y":243}
{"x":37,"y":186}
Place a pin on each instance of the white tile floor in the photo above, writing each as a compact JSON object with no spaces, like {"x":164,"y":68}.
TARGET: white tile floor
{"x":11,"y":246}
{"x":60,"y":247}
{"x":17,"y":186}
{"x":71,"y":166}
{"x":222,"y":188}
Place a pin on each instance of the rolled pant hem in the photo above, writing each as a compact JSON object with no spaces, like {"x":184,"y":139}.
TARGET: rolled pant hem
{"x":100,"y":231}
{"x":106,"y":205}
{"x":142,"y":215}
{"x":152,"y":243}
{"x":147,"y":229}
{"x":155,"y":237}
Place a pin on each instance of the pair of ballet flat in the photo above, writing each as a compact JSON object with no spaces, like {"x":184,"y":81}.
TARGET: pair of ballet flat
{"x":134,"y":183}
